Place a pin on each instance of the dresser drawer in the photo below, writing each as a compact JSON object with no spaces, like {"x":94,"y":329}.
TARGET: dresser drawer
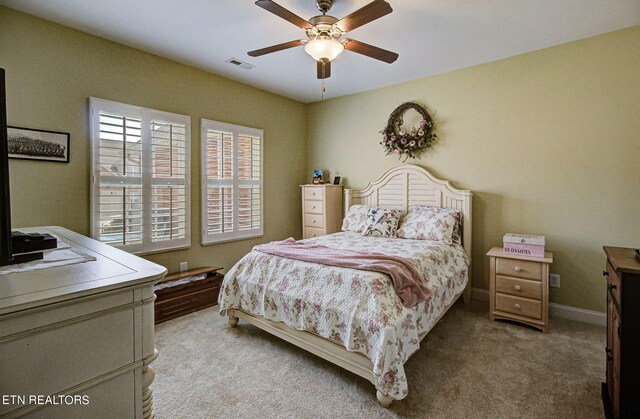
{"x":68,"y":353}
{"x":519,"y":268}
{"x":310,"y":232}
{"x":312,"y":193}
{"x":520,"y":306}
{"x":313,"y":207}
{"x":519,"y":287}
{"x":613,"y":282}
{"x":314,"y":220}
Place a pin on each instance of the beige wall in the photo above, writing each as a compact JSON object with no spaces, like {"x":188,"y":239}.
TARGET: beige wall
{"x":52,"y":71}
{"x":549,"y":143}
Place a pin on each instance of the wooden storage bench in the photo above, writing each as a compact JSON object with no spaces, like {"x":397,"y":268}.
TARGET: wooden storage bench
{"x":188,"y":294}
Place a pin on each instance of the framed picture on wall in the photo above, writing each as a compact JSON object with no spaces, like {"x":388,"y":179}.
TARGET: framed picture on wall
{"x":36,"y":144}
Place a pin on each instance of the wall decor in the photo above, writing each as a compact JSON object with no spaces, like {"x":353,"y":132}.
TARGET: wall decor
{"x":408,"y":142}
{"x":35,"y":144}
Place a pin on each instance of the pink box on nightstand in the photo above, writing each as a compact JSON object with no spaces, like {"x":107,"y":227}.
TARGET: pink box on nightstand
{"x":523,"y":245}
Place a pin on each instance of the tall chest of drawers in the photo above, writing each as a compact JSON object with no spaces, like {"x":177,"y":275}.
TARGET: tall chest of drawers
{"x":321,"y":210}
{"x":621,"y":391}
{"x":519,"y":288}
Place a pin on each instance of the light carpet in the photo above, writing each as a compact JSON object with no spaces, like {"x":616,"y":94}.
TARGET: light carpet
{"x":467,"y":367}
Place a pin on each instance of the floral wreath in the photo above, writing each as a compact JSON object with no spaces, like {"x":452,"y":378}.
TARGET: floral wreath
{"x":407,"y":144}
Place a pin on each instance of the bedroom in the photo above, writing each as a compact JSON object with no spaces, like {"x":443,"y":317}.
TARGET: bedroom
{"x":546,"y":140}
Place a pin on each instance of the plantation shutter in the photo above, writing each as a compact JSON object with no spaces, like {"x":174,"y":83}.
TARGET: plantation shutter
{"x":231,"y":182}
{"x":140,"y":164}
{"x":168,"y":180}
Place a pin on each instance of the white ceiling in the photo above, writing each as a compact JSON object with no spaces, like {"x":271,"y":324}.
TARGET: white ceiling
{"x":431,"y":36}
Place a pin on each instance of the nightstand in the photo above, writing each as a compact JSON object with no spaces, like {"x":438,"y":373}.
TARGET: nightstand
{"x":519,"y":288}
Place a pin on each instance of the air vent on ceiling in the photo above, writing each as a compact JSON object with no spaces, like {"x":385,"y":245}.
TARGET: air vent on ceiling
{"x":240,"y":64}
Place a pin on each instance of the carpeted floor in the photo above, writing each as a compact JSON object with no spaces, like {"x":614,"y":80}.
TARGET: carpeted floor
{"x":467,"y":367}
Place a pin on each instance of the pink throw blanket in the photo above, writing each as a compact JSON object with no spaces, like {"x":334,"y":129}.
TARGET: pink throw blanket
{"x":407,"y":281}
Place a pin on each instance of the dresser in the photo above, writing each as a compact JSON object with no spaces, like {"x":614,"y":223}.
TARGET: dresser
{"x":77,"y":340}
{"x":519,"y":288}
{"x":321,"y":210}
{"x":621,"y":391}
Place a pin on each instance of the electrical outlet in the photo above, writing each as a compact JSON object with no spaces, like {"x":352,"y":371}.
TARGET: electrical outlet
{"x":184,"y":267}
{"x":554,"y":280}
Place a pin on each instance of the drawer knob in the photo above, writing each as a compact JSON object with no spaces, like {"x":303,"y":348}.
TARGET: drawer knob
{"x":517,"y":268}
{"x":313,"y":207}
{"x":612,"y":286}
{"x":313,"y":193}
{"x":517,"y":287}
{"x":605,"y":273}
{"x":314,"y":221}
{"x":517,"y":306}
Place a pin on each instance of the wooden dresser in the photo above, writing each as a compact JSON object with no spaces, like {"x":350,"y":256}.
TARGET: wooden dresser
{"x":321,"y":210}
{"x":621,"y":391}
{"x":82,"y":331}
{"x":519,"y":288}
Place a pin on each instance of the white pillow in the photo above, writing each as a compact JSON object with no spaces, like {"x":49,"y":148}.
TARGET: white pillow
{"x":356,"y":219}
{"x":382,"y":222}
{"x":431,"y":223}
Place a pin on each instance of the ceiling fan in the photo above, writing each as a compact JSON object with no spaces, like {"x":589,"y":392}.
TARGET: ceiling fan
{"x":324,"y":32}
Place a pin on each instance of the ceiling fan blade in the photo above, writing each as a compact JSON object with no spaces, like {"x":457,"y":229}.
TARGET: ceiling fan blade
{"x":370,"y":50}
{"x":278,"y":10}
{"x":324,"y":69}
{"x":372,"y":11}
{"x":275,"y":48}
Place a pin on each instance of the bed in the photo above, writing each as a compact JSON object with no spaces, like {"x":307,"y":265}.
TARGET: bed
{"x":350,"y":317}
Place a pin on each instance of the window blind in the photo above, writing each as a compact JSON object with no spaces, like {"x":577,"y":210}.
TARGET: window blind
{"x":141,"y":191}
{"x":232,"y":178}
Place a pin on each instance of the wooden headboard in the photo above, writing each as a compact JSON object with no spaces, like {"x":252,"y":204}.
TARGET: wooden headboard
{"x":407,"y":185}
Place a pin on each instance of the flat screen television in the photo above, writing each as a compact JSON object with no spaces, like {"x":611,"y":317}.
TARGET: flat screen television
{"x":26,"y":245}
{"x":6,"y":249}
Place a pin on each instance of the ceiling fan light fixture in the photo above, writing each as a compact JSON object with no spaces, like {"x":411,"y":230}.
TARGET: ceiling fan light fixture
{"x":323,"y":48}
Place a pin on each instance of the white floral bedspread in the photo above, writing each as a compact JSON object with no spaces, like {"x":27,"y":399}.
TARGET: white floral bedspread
{"x":358,"y":309}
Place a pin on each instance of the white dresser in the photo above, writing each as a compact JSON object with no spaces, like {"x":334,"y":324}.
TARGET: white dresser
{"x":321,"y":210}
{"x":83,"y":330}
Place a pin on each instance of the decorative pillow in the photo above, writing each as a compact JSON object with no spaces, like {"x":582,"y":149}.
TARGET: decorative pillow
{"x":356,"y":218}
{"x":431,"y":223}
{"x":382,"y":222}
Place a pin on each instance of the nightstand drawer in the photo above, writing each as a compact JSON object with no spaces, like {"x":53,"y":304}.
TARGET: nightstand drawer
{"x":519,"y":268}
{"x":519,"y":287}
{"x":313,"y":207}
{"x":310,"y":232}
{"x":313,"y":193}
{"x":520,"y":306}
{"x":314,"y":220}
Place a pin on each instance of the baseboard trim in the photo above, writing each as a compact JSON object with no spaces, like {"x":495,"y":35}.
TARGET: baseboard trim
{"x":557,"y":310}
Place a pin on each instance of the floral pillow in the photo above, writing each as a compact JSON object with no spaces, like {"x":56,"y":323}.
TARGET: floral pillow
{"x":431,"y":223}
{"x":356,"y":218}
{"x":382,"y":222}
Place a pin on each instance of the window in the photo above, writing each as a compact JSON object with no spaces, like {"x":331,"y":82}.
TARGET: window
{"x":231,"y":182}
{"x":140,"y":195}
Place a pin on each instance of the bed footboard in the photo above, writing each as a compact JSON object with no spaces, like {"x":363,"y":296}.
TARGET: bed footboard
{"x":351,"y":361}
